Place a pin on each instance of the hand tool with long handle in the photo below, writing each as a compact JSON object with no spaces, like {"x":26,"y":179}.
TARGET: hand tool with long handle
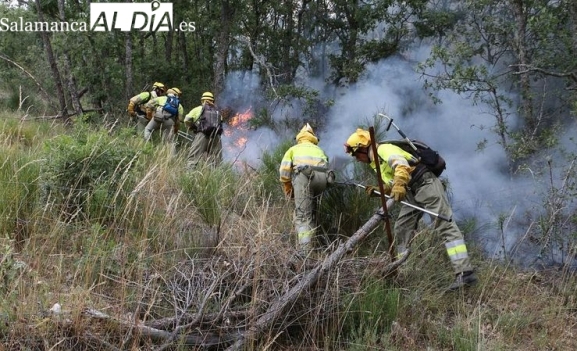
{"x":383,"y":200}
{"x":440,"y":216}
{"x":398,"y":130}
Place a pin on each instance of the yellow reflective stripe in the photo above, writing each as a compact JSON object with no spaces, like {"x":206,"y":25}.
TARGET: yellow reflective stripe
{"x":457,"y":250}
{"x":305,"y":234}
{"x":303,"y":154}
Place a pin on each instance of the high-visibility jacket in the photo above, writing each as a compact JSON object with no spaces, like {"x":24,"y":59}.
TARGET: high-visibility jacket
{"x":156,"y":105}
{"x":304,"y":153}
{"x":390,"y":156}
{"x":139,"y":100}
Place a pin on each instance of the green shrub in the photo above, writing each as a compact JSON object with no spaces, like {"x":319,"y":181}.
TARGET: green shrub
{"x":211,"y":190}
{"x":88,"y":173}
{"x":19,"y":174}
{"x":268,"y":171}
{"x":370,"y":312}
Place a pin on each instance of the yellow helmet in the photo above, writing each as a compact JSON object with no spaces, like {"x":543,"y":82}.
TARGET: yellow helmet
{"x":207,"y":95}
{"x":158,"y":85}
{"x":360,"y":138}
{"x":174,"y":91}
{"x":307,"y":133}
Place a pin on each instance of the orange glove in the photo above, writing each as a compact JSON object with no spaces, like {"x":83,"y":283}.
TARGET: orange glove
{"x":149,"y":112}
{"x":130,"y":109}
{"x":400,"y":181}
{"x":287,"y":188}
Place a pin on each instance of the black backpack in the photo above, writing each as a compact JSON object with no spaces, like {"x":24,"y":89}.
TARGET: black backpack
{"x":210,"y":120}
{"x":427,"y":156}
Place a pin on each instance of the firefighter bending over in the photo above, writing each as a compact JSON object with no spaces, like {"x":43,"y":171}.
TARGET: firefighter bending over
{"x":425,"y":191}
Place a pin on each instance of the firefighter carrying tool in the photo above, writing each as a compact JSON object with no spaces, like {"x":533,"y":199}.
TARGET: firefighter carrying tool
{"x":426,"y":192}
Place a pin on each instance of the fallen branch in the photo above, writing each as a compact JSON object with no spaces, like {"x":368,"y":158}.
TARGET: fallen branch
{"x":278,"y":307}
{"x":197,"y":339}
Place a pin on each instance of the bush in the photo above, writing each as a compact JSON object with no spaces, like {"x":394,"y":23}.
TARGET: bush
{"x":85,"y":173}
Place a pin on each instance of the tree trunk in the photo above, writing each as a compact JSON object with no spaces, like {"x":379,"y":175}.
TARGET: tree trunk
{"x":128,"y":91}
{"x":71,"y":81}
{"x":168,"y":46}
{"x":521,"y":48}
{"x":128,"y":74}
{"x":573,"y":24}
{"x":287,"y":43}
{"x":226,"y":16}
{"x":185,"y":57}
{"x":53,"y":67}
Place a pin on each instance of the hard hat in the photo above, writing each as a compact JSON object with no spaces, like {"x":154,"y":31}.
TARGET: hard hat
{"x":307,"y":133}
{"x":307,"y":128}
{"x":360,"y":138}
{"x":207,"y":96}
{"x":174,"y":91}
{"x":158,"y":85}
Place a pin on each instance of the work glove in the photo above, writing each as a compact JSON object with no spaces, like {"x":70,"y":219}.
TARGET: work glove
{"x":130,"y":109}
{"x":370,"y":190}
{"x":287,"y":188}
{"x":400,"y":181}
{"x":149,"y":112}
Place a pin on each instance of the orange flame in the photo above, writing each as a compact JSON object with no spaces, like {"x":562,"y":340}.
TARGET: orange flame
{"x":239,"y":124}
{"x":241,"y":118}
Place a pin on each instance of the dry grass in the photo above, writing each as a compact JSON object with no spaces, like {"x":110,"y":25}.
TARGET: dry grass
{"x":200,"y":270}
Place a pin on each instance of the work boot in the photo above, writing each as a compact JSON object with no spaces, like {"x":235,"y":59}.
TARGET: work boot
{"x":463,"y":279}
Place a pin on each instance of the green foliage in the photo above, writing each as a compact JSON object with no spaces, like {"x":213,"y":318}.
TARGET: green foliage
{"x":457,"y":338}
{"x":211,"y":190}
{"x":8,"y":270}
{"x":344,"y":209}
{"x":19,"y":171}
{"x":87,"y":172}
{"x":370,"y":313}
{"x":269,"y":170}
{"x":100,"y":255}
{"x":296,"y":105}
{"x":15,"y":101}
{"x":435,"y":22}
{"x":375,"y":50}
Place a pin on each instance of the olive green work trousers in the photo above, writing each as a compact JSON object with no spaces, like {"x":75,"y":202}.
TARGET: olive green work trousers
{"x":204,"y":147}
{"x":428,"y":193}
{"x":307,"y":189}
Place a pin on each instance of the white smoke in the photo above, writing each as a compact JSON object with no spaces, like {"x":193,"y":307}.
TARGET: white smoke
{"x":480,"y":182}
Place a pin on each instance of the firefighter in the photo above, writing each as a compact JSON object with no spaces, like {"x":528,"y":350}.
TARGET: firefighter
{"x":426,"y":191}
{"x":164,"y":113}
{"x":204,"y":124}
{"x":136,"y":105}
{"x":304,"y":175}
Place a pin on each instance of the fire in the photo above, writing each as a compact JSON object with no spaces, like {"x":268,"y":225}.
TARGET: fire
{"x":241,"y":142}
{"x":241,"y":118}
{"x":238,"y":128}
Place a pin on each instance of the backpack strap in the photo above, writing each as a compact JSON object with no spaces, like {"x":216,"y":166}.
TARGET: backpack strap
{"x":417,"y":173}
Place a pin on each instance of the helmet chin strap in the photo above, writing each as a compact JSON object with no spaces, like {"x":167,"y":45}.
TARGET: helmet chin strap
{"x":362,"y":150}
